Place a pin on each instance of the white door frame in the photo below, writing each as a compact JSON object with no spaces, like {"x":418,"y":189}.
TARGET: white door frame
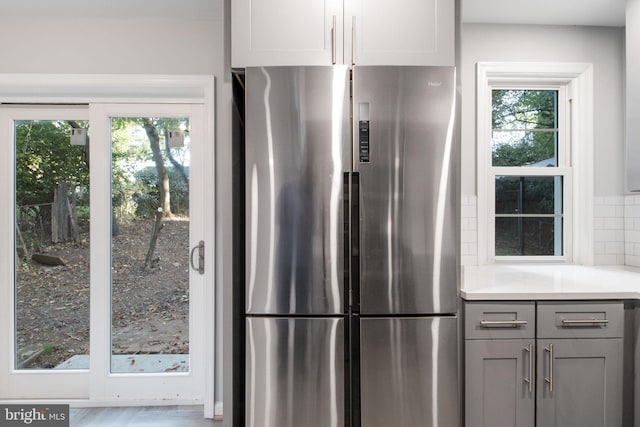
{"x":134,"y":89}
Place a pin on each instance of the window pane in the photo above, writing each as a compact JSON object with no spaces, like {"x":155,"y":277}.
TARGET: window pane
{"x":150,"y":245}
{"x":524,"y":148}
{"x":528,"y":236}
{"x":51,"y":245}
{"x":524,"y":109}
{"x":528,"y":195}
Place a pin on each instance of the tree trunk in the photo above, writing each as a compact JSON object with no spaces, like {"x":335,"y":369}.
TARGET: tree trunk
{"x":60,"y":213}
{"x":157,"y":226}
{"x":64,"y":225}
{"x":73,"y":215}
{"x":163,"y":176}
{"x":22,"y":251}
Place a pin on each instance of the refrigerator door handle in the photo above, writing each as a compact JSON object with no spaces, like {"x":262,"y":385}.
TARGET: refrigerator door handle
{"x":346,"y":189}
{"x":355,"y":243}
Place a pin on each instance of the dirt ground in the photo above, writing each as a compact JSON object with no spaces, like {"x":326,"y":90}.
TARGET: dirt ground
{"x":150,"y":308}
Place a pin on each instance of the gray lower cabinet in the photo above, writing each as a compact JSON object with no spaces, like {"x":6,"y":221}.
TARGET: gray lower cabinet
{"x":497,"y":391}
{"x":580,"y":382}
{"x":546,"y":364}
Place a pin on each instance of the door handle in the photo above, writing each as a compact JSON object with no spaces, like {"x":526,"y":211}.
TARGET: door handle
{"x":549,"y":379}
{"x":529,"y":380}
{"x":333,"y":40}
{"x":353,"y":40}
{"x":200,"y":248}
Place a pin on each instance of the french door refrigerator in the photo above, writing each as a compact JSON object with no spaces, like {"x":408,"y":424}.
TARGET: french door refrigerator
{"x":350,"y":247}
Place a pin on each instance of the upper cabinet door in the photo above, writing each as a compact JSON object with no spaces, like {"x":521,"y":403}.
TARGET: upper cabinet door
{"x":400,"y":32}
{"x":362,"y":32}
{"x":286,"y":32}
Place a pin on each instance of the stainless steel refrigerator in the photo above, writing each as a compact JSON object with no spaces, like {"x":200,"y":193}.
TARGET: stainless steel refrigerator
{"x":351,"y":246}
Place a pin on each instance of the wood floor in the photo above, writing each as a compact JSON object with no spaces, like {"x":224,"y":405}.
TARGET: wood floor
{"x":146,"y":416}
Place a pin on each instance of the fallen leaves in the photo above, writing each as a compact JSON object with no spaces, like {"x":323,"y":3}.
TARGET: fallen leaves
{"x":53,"y":302}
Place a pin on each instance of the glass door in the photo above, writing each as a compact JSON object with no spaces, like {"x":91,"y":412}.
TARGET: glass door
{"x":149,"y":287}
{"x":45,"y":263}
{"x":103,"y":283}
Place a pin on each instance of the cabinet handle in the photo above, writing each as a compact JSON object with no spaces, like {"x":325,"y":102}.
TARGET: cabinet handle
{"x":570,"y":322}
{"x":529,"y":380}
{"x":550,"y":378}
{"x":353,"y":40}
{"x":333,"y":40}
{"x":490,"y":323}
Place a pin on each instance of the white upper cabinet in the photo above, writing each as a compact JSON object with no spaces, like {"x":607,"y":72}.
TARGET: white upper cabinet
{"x":362,"y":32}
{"x":286,"y":32}
{"x":400,"y":32}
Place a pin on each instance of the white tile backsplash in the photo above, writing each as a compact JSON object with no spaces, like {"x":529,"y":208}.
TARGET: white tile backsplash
{"x":469,"y":232}
{"x":632,"y":230}
{"x":609,"y":230}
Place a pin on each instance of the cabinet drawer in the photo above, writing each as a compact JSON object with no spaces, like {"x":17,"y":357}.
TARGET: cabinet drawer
{"x":580,"y":320}
{"x":498,"y":320}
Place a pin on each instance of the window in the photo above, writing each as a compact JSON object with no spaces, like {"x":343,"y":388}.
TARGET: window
{"x":535,"y":162}
{"x":529,"y":172}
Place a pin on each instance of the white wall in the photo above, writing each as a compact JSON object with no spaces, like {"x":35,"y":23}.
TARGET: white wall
{"x":85,"y":40}
{"x":106,"y":46}
{"x":601,"y":46}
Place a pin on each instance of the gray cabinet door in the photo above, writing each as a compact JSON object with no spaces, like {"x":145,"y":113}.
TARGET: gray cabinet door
{"x":498,"y":392}
{"x":579,"y":382}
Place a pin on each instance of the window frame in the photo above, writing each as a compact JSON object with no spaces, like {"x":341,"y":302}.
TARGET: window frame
{"x":563,"y":169}
{"x":575,"y":80}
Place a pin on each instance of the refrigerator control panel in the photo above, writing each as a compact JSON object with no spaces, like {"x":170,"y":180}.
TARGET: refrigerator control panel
{"x":363,"y":137}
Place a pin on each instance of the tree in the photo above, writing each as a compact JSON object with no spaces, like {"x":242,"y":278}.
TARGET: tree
{"x":136,"y":143}
{"x":517,"y":118}
{"x":136,"y":179}
{"x":49,"y":172}
{"x":163,"y":176}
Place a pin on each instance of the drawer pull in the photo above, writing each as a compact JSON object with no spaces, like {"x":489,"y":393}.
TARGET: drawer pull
{"x":578,"y":322}
{"x":502,"y":323}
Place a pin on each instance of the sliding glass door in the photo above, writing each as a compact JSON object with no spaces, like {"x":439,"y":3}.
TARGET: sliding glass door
{"x":103,"y":280}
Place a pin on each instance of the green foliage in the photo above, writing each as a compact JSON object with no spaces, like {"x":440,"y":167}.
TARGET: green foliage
{"x":135,"y":190}
{"x":146,"y":197}
{"x":45,"y":157}
{"x":524,"y":126}
{"x":524,"y":109}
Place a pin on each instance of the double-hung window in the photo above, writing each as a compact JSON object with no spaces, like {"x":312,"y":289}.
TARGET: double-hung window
{"x":535,"y":162}
{"x":530,"y":172}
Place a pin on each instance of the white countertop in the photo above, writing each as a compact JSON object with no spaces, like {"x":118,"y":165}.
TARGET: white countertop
{"x":549,"y":281}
